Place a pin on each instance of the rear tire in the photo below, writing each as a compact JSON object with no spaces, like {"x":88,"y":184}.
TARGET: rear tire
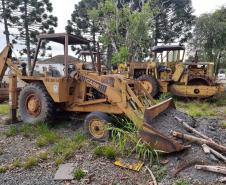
{"x":95,"y":126}
{"x":35,"y":104}
{"x":150,"y":84}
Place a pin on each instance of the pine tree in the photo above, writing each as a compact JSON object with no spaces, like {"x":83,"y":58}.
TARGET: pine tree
{"x":80,"y":23}
{"x":8,"y":16}
{"x":35,"y":18}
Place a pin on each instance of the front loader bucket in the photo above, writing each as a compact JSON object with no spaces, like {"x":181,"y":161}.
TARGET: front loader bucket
{"x":155,"y":138}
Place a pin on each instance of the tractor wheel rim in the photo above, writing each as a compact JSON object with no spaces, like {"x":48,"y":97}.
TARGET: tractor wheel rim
{"x":147,"y":85}
{"x":97,"y":128}
{"x":33,"y":105}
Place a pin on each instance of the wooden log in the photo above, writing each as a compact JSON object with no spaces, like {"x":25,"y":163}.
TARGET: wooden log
{"x":200,"y":141}
{"x":188,"y":127}
{"x":216,"y":169}
{"x":216,"y":153}
{"x":152,"y":176}
{"x":222,"y":180}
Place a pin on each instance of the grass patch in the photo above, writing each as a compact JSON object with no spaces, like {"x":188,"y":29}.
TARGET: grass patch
{"x":181,"y":182}
{"x":59,"y":160}
{"x":27,"y":130}
{"x":12,"y":131}
{"x":107,"y":151}
{"x":219,"y":100}
{"x":223,"y":125}
{"x":4,"y":108}
{"x":46,"y":138}
{"x":43,"y":155}
{"x":3,"y":169}
{"x":197,"y":109}
{"x":66,"y":147}
{"x":159,"y":171}
{"x":79,"y":174}
{"x":30,"y":162}
{"x":17,"y":162}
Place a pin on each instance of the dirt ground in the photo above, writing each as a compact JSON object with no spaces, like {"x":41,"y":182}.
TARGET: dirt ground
{"x":102,"y":171}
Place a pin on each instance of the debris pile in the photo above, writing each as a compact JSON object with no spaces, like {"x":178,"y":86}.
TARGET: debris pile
{"x":206,"y":152}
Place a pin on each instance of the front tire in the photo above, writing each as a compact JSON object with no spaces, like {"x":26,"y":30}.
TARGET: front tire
{"x":150,"y":84}
{"x":35,"y":104}
{"x":95,"y":126}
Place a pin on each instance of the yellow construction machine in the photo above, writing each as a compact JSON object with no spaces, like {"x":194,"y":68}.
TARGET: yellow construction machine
{"x":84,"y":91}
{"x":167,"y":72}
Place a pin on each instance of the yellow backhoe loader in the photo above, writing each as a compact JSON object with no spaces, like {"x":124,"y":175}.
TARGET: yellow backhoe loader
{"x":84,"y":90}
{"x":167,"y":72}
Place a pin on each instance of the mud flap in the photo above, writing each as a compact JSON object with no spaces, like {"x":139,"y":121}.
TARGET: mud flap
{"x":152,"y":136}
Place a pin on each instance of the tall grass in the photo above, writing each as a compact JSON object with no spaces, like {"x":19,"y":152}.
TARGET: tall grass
{"x":126,"y":138}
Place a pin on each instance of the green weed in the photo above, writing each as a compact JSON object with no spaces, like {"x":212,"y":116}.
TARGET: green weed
{"x":4,"y":108}
{"x":197,"y":109}
{"x":79,"y":174}
{"x":159,"y":171}
{"x":17,"y":162}
{"x":59,"y":160}
{"x":47,"y":137}
{"x":181,"y":182}
{"x":107,"y":151}
{"x":43,"y":155}
{"x":27,"y":130}
{"x":66,"y":147}
{"x":12,"y":131}
{"x":3,"y":169}
{"x":30,"y":162}
{"x":127,"y":140}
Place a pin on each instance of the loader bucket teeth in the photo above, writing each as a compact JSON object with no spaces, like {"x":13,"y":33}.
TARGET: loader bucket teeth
{"x":152,"y":136}
{"x":153,"y":111}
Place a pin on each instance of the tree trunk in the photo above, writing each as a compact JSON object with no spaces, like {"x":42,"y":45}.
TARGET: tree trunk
{"x":27,"y":37}
{"x":109,"y":55}
{"x":5,"y":22}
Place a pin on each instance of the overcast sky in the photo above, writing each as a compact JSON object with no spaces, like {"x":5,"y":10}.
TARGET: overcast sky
{"x":63,"y":10}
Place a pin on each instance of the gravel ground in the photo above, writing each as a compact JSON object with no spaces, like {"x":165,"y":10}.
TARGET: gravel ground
{"x":101,"y":171}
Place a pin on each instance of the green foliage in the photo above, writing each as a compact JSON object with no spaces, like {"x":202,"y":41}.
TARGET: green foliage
{"x":27,"y":130}
{"x":159,"y":171}
{"x":107,"y":151}
{"x":121,"y":57}
{"x":30,"y":162}
{"x":173,"y":20}
{"x":43,"y":155}
{"x":4,"y":108}
{"x":79,"y":174}
{"x":181,"y":182}
{"x":3,"y":169}
{"x":17,"y":162}
{"x":209,"y":36}
{"x":66,"y":147}
{"x":59,"y":160}
{"x":126,"y":138}
{"x":46,"y":138}
{"x":196,"y":108}
{"x":12,"y":131}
